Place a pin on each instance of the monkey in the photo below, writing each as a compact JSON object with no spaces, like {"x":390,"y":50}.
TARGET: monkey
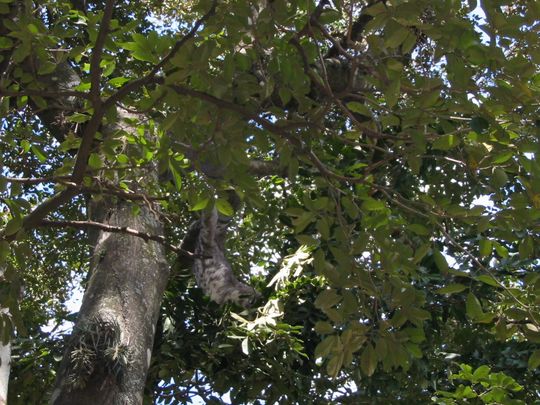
{"x":212,"y":270}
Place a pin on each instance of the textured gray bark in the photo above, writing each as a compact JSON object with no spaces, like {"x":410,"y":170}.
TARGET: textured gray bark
{"x":128,"y":278}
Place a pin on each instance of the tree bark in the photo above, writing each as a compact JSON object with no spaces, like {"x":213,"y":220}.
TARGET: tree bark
{"x":115,"y":329}
{"x":5,"y":366}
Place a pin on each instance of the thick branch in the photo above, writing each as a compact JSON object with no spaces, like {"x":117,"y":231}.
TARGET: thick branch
{"x":95,"y":69}
{"x":32,"y":219}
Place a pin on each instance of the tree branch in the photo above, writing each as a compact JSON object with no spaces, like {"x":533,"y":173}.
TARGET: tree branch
{"x":43,"y":93}
{"x":95,"y":69}
{"x":115,"y":229}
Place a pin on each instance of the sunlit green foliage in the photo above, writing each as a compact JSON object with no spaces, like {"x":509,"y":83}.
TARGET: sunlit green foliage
{"x":405,"y":193}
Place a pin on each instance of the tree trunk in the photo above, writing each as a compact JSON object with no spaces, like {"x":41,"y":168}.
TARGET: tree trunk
{"x":108,"y":354}
{"x":5,"y":367}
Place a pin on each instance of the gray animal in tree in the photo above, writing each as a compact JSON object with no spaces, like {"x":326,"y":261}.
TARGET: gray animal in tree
{"x":212,"y":270}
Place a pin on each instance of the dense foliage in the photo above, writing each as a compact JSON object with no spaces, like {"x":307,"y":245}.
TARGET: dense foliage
{"x":394,"y":231}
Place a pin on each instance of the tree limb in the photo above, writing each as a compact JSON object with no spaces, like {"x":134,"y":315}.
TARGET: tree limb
{"x":115,"y":229}
{"x":95,"y":69}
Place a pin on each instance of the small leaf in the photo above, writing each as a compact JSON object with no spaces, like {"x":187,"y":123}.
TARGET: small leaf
{"x":534,"y":360}
{"x":479,"y":124}
{"x":359,"y":108}
{"x":484,"y":278}
{"x":118,"y":81}
{"x":485,"y":247}
{"x":201,"y":204}
{"x":4,"y":251}
{"x":418,"y":229}
{"x":327,"y":299}
{"x":526,"y":248}
{"x":481,"y":372}
{"x":94,"y":161}
{"x":446,"y":142}
{"x":473,"y":307}
{"x":334,"y":365}
{"x":177,"y":177}
{"x":392,"y":92}
{"x":440,"y":261}
{"x":245,"y":346}
{"x":323,"y":328}
{"x":13,"y":226}
{"x":40,"y":154}
{"x":324,"y":348}
{"x":224,"y":207}
{"x":78,"y":118}
{"x":503,"y":157}
{"x":5,"y":42}
{"x":368,"y":360}
{"x":371,"y":204}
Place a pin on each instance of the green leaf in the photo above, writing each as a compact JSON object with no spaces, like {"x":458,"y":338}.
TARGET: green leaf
{"x":446,"y":142}
{"x":501,"y":250}
{"x":503,"y":157}
{"x":414,"y":350}
{"x":419,"y":229}
{"x":175,"y":171}
{"x":79,"y":118}
{"x":440,"y":261}
{"x":303,"y":221}
{"x":5,"y":42}
{"x":118,"y":81}
{"x":324,"y":348}
{"x":534,"y":360}
{"x":485,"y":247}
{"x":392,"y":92}
{"x":526,"y":248}
{"x":479,"y":124}
{"x":484,"y":278}
{"x":395,"y":36}
{"x":473,"y":307}
{"x":499,"y":178}
{"x":359,"y":108}
{"x":94,"y":161}
{"x":334,"y":365}
{"x":4,"y":251}
{"x":368,"y":360}
{"x":327,"y":298}
{"x":452,"y":289}
{"x":323,"y":328}
{"x":371,"y":204}
{"x":13,"y":226}
{"x":200,"y":204}
{"x":481,"y":373}
{"x":224,"y":207}
{"x":40,"y":154}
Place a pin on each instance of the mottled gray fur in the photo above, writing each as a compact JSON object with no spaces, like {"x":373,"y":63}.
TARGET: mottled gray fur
{"x":212,"y":269}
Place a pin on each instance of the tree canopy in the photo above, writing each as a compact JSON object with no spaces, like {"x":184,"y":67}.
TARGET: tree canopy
{"x":378,"y":158}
